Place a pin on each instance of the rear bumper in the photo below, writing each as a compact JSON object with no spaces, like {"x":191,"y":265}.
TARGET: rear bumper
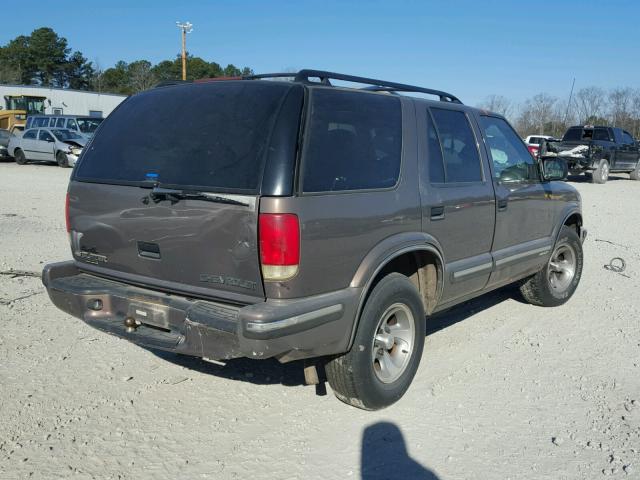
{"x":285,"y":329}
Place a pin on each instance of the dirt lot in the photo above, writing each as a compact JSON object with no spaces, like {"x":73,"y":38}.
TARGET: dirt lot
{"x":513,"y":391}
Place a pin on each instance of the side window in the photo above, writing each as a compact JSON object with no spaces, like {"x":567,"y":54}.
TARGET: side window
{"x":41,"y":122}
{"x":45,"y":136}
{"x":601,"y":134}
{"x":60,"y":123}
{"x":434,"y":153}
{"x":459,"y":149}
{"x":512,"y":162}
{"x":354,"y":141}
{"x":627,"y":139}
{"x":71,"y":124}
{"x":30,"y":134}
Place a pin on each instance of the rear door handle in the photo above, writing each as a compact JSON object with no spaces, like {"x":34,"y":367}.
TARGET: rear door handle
{"x":502,"y":205}
{"x":437,"y":213}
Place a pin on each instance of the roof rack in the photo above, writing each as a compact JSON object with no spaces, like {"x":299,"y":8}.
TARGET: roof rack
{"x":260,"y":76}
{"x":325,"y":77}
{"x":167,"y":83}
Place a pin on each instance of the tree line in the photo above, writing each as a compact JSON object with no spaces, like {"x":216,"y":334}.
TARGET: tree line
{"x":45,"y":59}
{"x":549,"y":115}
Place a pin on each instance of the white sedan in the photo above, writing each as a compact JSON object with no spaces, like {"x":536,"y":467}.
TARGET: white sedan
{"x":47,"y":144}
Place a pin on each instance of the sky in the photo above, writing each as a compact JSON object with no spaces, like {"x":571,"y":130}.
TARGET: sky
{"x":471,"y":49}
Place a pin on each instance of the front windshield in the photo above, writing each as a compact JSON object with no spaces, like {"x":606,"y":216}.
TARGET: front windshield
{"x":65,"y":134}
{"x":89,"y":125}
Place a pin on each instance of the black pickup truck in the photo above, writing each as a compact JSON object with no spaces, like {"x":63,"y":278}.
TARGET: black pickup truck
{"x":596,"y":151}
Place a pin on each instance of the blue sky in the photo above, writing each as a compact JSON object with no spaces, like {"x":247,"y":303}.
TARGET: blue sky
{"x":469,"y":48}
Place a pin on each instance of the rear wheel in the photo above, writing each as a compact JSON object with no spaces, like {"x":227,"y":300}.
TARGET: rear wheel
{"x":387,"y":348}
{"x":558,"y":280}
{"x":601,"y":174}
{"x":19,"y":156}
{"x":62,"y":159}
{"x":635,"y":175}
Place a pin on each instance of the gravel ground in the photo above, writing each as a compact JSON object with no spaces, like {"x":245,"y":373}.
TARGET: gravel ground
{"x":513,"y":391}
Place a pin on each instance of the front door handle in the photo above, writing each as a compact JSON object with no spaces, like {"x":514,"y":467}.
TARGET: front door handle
{"x":502,"y":205}
{"x":437,"y":213}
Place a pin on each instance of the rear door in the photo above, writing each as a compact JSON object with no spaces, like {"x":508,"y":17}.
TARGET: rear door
{"x":458,"y":203}
{"x":28,"y":143}
{"x":525,"y":209}
{"x":209,"y":138}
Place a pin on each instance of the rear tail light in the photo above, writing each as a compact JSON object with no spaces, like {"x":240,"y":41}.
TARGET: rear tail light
{"x":279,"y":238}
{"x":66,"y":213}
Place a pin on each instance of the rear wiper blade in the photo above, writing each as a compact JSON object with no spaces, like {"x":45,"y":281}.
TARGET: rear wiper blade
{"x":159,"y":194}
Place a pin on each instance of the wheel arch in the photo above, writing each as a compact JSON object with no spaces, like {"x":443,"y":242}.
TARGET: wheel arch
{"x":572,"y":218}
{"x":415,"y":255}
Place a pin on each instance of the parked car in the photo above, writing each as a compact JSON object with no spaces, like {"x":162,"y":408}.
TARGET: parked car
{"x":49,"y":144}
{"x":596,"y":151}
{"x":298,"y":220}
{"x":533,"y":142}
{"x":5,"y":135}
{"x":81,"y":124}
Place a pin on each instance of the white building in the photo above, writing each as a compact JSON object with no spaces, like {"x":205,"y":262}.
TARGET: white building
{"x":60,"y":101}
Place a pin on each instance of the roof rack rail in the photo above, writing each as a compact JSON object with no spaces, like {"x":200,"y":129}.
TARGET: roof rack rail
{"x":375,"y":85}
{"x":325,"y":77}
{"x":260,"y":76}
{"x":167,"y":83}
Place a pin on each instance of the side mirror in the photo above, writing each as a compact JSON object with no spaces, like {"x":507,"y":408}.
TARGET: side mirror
{"x":554,"y":168}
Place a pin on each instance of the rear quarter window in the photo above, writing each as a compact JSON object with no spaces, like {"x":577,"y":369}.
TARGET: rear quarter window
{"x":353,"y":141}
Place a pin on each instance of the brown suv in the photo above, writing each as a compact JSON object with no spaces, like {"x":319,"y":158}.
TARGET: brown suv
{"x":296,"y":219}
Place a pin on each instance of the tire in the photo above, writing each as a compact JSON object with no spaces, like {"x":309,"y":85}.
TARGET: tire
{"x":62,"y":160}
{"x":601,"y":174}
{"x":558,"y":280}
{"x":635,"y":175}
{"x":19,"y":156}
{"x":392,"y":318}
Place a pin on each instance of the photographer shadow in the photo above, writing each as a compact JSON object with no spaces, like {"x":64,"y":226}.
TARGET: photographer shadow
{"x":384,"y":455}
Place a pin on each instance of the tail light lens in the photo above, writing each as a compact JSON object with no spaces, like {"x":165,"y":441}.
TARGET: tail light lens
{"x":66,"y":213}
{"x":279,"y":235}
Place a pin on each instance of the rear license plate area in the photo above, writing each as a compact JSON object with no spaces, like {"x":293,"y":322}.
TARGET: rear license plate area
{"x":149,"y":314}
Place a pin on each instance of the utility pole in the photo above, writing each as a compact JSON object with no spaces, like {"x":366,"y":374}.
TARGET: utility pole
{"x":186,"y":27}
{"x":566,"y":114}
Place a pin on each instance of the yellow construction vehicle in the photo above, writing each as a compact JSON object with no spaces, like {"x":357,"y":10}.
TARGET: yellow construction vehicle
{"x":17,"y":107}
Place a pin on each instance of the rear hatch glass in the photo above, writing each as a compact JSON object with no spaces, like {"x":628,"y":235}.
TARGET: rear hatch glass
{"x":195,"y":138}
{"x":209,"y":136}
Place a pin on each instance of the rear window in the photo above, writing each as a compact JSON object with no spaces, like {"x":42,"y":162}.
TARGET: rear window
{"x":354,"y":141}
{"x":578,"y":134}
{"x":203,"y":136}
